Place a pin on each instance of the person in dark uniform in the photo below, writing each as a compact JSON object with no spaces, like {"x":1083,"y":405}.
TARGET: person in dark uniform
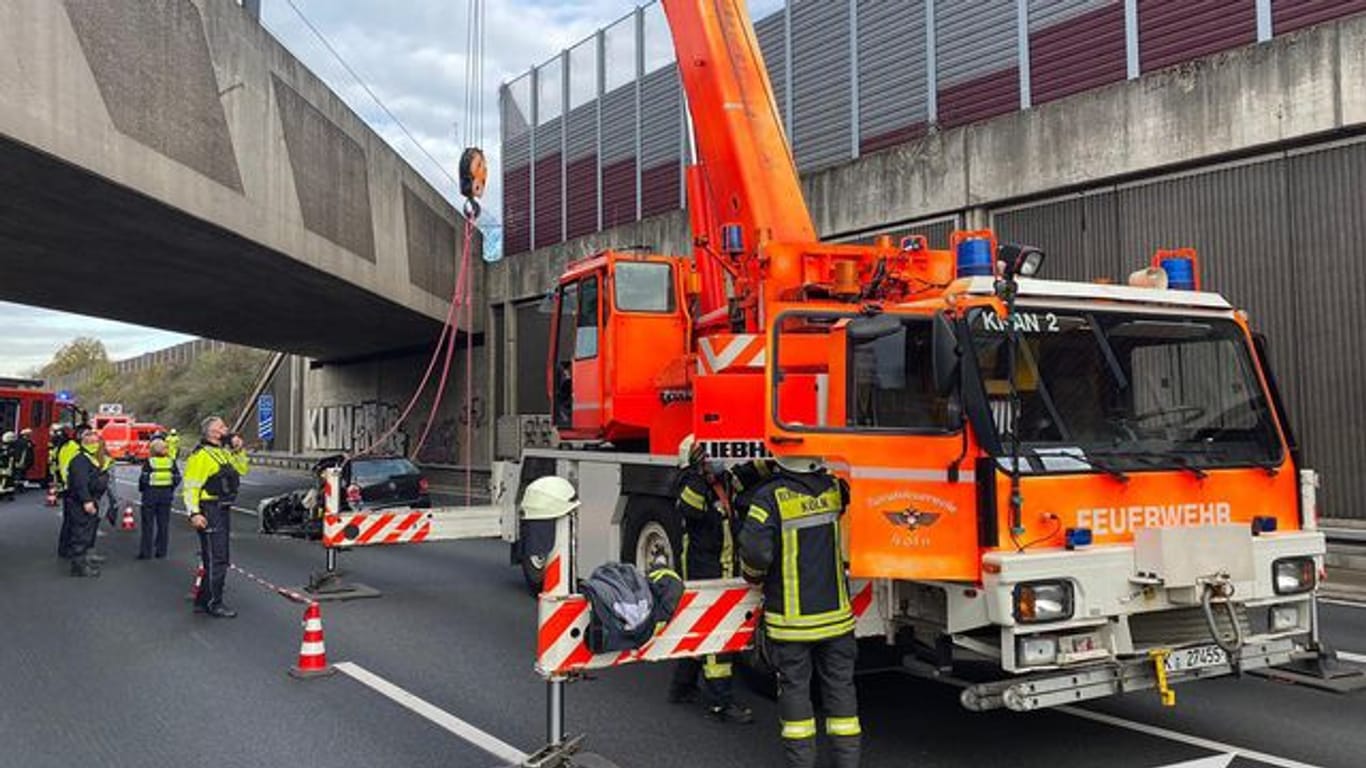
{"x":708,"y":553}
{"x":160,"y":476}
{"x":66,"y":450}
{"x":87,"y":481}
{"x":212,"y":475}
{"x":26,"y":452}
{"x":790,"y":543}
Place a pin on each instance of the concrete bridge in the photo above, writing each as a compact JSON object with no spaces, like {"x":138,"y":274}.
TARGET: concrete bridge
{"x":169,"y":163}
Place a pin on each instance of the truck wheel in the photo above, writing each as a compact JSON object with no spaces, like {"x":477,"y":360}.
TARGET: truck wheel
{"x":652,"y":537}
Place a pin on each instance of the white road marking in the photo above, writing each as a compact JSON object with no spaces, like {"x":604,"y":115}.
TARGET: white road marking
{"x":1216,"y":761}
{"x":1359,"y":658}
{"x":434,"y":713}
{"x":1195,"y":741}
{"x":1343,"y":603}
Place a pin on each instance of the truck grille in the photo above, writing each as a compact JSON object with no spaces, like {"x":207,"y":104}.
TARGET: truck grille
{"x":1179,"y":626}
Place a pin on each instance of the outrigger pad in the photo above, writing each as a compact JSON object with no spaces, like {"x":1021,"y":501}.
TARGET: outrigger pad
{"x":323,"y":586}
{"x":1324,"y":672}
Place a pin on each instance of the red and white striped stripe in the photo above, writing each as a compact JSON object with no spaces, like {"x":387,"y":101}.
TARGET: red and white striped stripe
{"x":371,"y":528}
{"x":717,"y":616}
{"x":724,"y":352}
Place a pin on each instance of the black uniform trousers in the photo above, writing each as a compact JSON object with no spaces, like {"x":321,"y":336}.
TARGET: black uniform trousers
{"x":82,"y":528}
{"x":213,"y":550}
{"x":64,"y":536}
{"x":156,"y":521}
{"x":833,"y":660}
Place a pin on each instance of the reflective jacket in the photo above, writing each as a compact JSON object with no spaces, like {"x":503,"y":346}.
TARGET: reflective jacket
{"x":173,"y":446}
{"x":87,"y":477}
{"x":67,"y":452}
{"x":159,"y":473}
{"x":790,"y":543}
{"x":708,"y":535}
{"x":212,"y":473}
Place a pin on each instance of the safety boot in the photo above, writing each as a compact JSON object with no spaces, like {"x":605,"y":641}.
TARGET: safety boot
{"x":731,"y":713}
{"x":84,"y":569}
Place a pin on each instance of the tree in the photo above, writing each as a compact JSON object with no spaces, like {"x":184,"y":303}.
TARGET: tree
{"x":78,"y":354}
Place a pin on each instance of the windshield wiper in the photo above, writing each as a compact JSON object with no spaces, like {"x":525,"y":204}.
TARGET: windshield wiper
{"x":1103,"y":466}
{"x":1175,"y":461}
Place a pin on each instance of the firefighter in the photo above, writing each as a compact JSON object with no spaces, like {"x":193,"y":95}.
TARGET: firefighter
{"x":87,"y":480}
{"x":9,"y":462}
{"x":173,"y":444}
{"x":790,"y":543}
{"x":703,"y":503}
{"x":160,"y":476}
{"x":213,"y":472}
{"x":26,"y":453}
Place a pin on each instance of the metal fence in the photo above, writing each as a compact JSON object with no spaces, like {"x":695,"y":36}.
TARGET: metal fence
{"x":595,"y":137}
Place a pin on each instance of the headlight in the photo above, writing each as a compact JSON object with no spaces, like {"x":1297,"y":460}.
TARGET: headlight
{"x":1040,"y":601}
{"x":1293,"y":575}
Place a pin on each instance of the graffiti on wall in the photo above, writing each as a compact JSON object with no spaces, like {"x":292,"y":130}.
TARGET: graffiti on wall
{"x":446,"y":443}
{"x":356,"y":426}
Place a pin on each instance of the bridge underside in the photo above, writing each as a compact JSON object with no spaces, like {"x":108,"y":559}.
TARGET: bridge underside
{"x":74,"y":241}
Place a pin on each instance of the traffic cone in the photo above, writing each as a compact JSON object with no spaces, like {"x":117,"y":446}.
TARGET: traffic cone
{"x":128,"y":523}
{"x":51,"y":499}
{"x":198,"y":583}
{"x":312,"y":651}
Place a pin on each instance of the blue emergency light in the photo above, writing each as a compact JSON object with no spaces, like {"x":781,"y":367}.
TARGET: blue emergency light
{"x":1077,"y":537}
{"x":974,"y":258}
{"x":1262,"y":525}
{"x":1180,"y":274}
{"x":732,"y":238}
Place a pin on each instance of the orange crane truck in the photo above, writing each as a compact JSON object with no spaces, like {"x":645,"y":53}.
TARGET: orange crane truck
{"x":1092,"y":485}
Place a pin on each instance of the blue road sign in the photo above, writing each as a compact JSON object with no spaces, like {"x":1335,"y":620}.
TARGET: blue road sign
{"x":265,"y":417}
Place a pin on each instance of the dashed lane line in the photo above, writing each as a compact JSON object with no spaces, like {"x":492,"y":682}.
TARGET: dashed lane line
{"x":1343,"y":603}
{"x":440,"y":717}
{"x":1358,"y":658}
{"x":1195,"y":741}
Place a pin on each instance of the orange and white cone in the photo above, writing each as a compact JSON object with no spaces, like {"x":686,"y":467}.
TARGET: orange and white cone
{"x":51,"y":499}
{"x":128,"y":523}
{"x":312,"y":651}
{"x":198,"y":583}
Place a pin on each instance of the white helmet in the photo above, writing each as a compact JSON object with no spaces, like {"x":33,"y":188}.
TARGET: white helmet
{"x":549,"y":498}
{"x":800,"y":464}
{"x":8,"y":437}
{"x":689,"y":452}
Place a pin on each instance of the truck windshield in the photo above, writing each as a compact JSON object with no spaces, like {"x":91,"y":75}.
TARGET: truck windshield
{"x":1133,"y":392}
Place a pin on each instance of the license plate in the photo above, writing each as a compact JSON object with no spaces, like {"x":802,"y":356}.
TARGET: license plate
{"x":1185,"y":659}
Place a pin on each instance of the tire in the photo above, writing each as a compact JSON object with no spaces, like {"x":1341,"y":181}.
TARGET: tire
{"x":652,"y":535}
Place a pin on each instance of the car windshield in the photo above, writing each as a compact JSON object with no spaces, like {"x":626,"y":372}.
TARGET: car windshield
{"x":372,"y":471}
{"x":1126,"y":391}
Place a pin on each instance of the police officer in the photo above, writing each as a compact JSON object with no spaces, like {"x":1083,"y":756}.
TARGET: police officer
{"x":212,"y":474}
{"x":160,"y":476}
{"x":87,"y":481}
{"x":64,"y":454}
{"x":708,"y":553}
{"x":790,"y":543}
{"x":173,"y":444}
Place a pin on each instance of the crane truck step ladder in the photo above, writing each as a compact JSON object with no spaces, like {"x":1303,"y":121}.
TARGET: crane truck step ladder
{"x":344,"y":530}
{"x":713,"y":616}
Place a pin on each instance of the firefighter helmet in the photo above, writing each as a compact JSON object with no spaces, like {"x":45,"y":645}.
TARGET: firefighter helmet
{"x":549,"y":498}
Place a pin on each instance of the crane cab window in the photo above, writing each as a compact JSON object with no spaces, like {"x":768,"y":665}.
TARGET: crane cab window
{"x":644,"y":286}
{"x":586,"y":333}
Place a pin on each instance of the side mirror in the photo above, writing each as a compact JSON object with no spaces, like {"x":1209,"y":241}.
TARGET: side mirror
{"x":948,"y":358}
{"x":873,"y":327}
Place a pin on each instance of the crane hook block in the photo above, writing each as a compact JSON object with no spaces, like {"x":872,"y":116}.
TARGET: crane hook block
{"x":474,"y":173}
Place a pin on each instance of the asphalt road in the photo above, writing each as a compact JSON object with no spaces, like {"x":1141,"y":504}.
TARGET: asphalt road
{"x":117,"y":671}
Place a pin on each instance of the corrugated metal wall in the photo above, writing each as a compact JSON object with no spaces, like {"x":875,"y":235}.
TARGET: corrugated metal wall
{"x":822,"y":126}
{"x":1290,"y":15}
{"x":1173,"y":31}
{"x":892,"y":81}
{"x":936,"y":231}
{"x":773,"y":47}
{"x":976,"y":51}
{"x":1279,"y":238}
{"x":1074,"y":45}
{"x":661,"y":103}
{"x":533,"y":340}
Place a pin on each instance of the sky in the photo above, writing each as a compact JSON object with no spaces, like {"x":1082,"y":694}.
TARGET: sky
{"x":412,"y":55}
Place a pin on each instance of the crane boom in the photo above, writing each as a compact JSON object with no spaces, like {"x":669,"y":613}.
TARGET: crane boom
{"x":747,"y":176}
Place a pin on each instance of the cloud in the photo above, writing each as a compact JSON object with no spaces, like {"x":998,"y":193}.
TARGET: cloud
{"x":32,"y":335}
{"x":413,"y":56}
